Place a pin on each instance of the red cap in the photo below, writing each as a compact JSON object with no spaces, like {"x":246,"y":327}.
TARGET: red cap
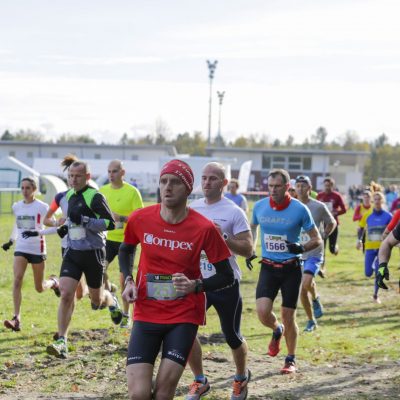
{"x":181,"y":170}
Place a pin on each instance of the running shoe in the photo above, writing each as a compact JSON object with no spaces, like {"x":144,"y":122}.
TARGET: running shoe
{"x":336,"y":250}
{"x":274,"y":345}
{"x":56,"y":285}
{"x":115,"y":311}
{"x":113,"y":288}
{"x":13,"y":324}
{"x":239,"y":388}
{"x":311,"y":326}
{"x":318,"y":309}
{"x":58,"y":349}
{"x":321,"y":273}
{"x":376,"y":299}
{"x":125,"y":323}
{"x":289,"y":367}
{"x":197,"y":390}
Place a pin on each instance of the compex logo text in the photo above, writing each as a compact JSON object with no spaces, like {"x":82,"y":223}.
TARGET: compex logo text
{"x":149,"y":238}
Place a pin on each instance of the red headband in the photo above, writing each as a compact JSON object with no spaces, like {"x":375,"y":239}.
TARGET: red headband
{"x":181,"y":170}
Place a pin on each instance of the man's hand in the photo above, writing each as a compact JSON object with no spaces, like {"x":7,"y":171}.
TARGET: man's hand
{"x":130,"y":292}
{"x":182,"y":284}
{"x":249,"y":265}
{"x":7,"y":245}
{"x":383,"y":273}
{"x":62,"y":231}
{"x":295,"y":248}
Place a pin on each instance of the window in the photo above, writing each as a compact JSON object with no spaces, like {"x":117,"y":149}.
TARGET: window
{"x":279,"y":162}
{"x":134,"y":157}
{"x":54,"y":155}
{"x":29,"y":154}
{"x":295,"y":163}
{"x":11,"y":153}
{"x":97,"y":156}
{"x":266,"y":161}
{"x":307,"y":163}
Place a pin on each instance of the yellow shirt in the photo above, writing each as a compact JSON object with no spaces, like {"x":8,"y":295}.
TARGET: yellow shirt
{"x":123,"y":202}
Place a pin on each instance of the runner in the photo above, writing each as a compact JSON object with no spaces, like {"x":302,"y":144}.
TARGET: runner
{"x":281,"y":219}
{"x":313,"y":259}
{"x":231,"y":222}
{"x":363,"y":208}
{"x":170,"y":303}
{"x":374,"y":225}
{"x":334,"y":201}
{"x":88,"y":217}
{"x":122,"y":198}
{"x":238,"y":198}
{"x":385,"y":249}
{"x":29,"y":214}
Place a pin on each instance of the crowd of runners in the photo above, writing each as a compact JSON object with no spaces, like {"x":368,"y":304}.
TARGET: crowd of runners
{"x":188,"y":263}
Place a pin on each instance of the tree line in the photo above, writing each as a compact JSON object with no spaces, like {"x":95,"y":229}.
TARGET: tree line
{"x":381,"y":164}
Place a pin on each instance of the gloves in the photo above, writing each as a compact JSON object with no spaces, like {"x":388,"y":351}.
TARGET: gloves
{"x":249,"y":265}
{"x":383,"y":273}
{"x":7,"y":245}
{"x":295,"y":248}
{"x":62,"y":231}
{"x":28,"y":234}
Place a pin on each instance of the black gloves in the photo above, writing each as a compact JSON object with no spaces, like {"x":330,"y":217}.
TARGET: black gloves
{"x":383,"y":273}
{"x":7,"y":245}
{"x":62,"y":230}
{"x":249,"y":265}
{"x":28,"y":234}
{"x":295,"y":248}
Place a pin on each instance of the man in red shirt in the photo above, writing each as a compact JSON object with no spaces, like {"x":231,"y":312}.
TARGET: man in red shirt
{"x":334,"y":201}
{"x":169,"y":290}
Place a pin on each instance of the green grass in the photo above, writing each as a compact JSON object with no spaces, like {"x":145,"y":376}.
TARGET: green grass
{"x":353,"y":328}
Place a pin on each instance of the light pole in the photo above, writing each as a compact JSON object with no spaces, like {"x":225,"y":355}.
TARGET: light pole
{"x":221,"y":99}
{"x":211,"y":69}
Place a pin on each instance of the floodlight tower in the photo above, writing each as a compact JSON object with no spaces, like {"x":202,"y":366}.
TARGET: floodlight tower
{"x":211,"y":70}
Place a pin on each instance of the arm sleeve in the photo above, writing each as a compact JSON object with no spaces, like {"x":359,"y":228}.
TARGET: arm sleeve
{"x":224,"y":277}
{"x":342,"y":208}
{"x":105,"y":220}
{"x":126,"y":257}
{"x":393,"y":222}
{"x":14,"y":233}
{"x":357,"y":216}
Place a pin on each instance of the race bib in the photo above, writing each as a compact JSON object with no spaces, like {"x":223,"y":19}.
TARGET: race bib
{"x":207,"y":269}
{"x":76,"y":232}
{"x":26,"y":222}
{"x":375,"y":234}
{"x":329,"y":205}
{"x":275,"y":243}
{"x":160,"y":287}
{"x":119,"y":225}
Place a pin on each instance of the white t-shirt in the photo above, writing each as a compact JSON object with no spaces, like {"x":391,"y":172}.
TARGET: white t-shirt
{"x":29,"y":217}
{"x":232,"y":221}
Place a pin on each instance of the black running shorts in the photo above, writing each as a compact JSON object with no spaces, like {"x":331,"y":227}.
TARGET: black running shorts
{"x":112,"y":250}
{"x":147,"y":338}
{"x":228,"y":304}
{"x":88,"y":262}
{"x":287,"y":279}
{"x":31,"y":258}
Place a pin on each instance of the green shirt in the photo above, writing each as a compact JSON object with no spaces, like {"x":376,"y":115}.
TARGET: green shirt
{"x":122,"y":201}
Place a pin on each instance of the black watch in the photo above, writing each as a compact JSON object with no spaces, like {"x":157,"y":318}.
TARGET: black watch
{"x":199,"y":286}
{"x":225,"y":236}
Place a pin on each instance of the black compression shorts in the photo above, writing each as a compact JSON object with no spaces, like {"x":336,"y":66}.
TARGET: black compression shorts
{"x":228,"y":304}
{"x":112,"y":250}
{"x":147,"y":338}
{"x":89,"y":262}
{"x":287,"y":279}
{"x":31,"y":258}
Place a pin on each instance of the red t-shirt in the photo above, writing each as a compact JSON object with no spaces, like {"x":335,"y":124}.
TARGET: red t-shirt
{"x":334,"y":202}
{"x":394,"y":221}
{"x":167,"y":249}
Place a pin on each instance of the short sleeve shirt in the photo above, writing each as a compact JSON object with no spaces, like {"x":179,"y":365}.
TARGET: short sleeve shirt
{"x":168,"y":249}
{"x":374,"y":224}
{"x":277,"y":227}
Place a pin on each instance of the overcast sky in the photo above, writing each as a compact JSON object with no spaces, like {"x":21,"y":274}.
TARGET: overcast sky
{"x":287,"y":67}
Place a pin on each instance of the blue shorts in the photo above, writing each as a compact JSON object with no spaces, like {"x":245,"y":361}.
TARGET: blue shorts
{"x":312,"y":265}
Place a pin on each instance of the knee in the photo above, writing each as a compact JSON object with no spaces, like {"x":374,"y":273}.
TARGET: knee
{"x":67,"y":297}
{"x":18,"y":282}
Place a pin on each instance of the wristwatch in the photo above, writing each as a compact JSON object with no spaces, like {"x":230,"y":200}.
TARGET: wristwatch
{"x":225,"y":236}
{"x":198,"y":286}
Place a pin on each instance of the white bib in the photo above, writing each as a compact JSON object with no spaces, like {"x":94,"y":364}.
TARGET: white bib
{"x":275,"y":243}
{"x":76,"y":232}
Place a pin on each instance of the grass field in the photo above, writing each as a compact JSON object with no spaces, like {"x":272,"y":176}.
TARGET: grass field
{"x":354,"y":332}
